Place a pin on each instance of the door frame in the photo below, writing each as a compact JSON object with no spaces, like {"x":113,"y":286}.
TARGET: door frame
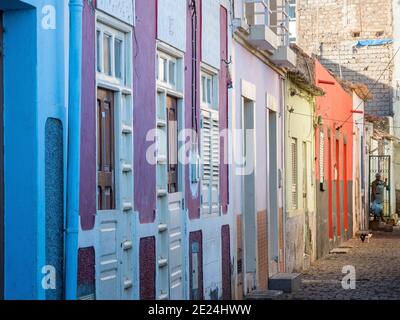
{"x":249,"y":225}
{"x":273,"y":192}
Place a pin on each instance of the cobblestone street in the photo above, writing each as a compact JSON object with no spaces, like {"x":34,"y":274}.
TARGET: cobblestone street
{"x":377,"y":266}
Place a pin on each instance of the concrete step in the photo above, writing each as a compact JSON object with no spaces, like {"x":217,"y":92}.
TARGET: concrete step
{"x":340,"y":251}
{"x":263,"y":295}
{"x":286,"y":282}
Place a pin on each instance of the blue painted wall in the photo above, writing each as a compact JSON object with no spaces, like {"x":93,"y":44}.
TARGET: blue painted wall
{"x":34,"y":90}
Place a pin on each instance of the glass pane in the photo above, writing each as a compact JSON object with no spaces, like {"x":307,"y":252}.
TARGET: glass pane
{"x":165,"y":66}
{"x":158,"y":68}
{"x":118,"y":58}
{"x":209,"y":92}
{"x":203,"y":88}
{"x":292,"y":12}
{"x":107,"y":54}
{"x":98,"y":39}
{"x":172,"y":67}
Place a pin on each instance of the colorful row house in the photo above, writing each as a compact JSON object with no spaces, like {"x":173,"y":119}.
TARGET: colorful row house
{"x":334,"y":163}
{"x":155,"y":221}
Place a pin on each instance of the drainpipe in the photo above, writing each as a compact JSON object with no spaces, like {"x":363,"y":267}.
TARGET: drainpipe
{"x":74,"y":134}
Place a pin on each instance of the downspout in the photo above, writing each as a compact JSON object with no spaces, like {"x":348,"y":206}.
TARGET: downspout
{"x":73,"y":162}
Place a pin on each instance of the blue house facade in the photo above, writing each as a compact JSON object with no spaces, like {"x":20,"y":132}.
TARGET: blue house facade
{"x":34,"y":104}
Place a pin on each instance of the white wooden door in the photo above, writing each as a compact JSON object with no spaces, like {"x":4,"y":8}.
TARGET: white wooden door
{"x":176,"y":271}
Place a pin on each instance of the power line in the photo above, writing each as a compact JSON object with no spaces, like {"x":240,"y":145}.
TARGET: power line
{"x":369,"y":89}
{"x":338,"y":120}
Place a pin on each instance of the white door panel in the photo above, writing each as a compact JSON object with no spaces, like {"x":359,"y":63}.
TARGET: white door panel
{"x":175,"y":246}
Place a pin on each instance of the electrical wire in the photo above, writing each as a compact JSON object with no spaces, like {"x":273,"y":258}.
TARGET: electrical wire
{"x":338,"y":120}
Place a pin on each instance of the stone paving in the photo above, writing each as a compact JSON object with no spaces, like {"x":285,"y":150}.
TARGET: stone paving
{"x":377,"y":265}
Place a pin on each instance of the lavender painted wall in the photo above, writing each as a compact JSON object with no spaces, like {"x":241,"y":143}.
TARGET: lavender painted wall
{"x":192,"y":203}
{"x":144,"y":88}
{"x":147,"y":261}
{"x":88,"y":134}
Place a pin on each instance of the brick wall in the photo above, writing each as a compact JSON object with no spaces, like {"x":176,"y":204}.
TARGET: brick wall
{"x":262,"y":244}
{"x":330,"y":28}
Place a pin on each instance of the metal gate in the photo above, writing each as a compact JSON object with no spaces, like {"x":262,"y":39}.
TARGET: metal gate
{"x":380,"y":164}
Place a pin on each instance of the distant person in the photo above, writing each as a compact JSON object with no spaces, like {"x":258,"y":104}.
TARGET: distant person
{"x":378,"y":197}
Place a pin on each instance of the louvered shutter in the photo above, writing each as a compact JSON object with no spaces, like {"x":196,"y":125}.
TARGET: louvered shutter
{"x":321,"y":157}
{"x":210,"y":153}
{"x":215,"y":155}
{"x":206,"y":133}
{"x":295,"y":203}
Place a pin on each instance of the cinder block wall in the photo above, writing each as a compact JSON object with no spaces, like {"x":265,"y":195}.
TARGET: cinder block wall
{"x":330,"y":28}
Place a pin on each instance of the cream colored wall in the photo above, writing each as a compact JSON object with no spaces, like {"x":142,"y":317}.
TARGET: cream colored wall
{"x":299,"y":125}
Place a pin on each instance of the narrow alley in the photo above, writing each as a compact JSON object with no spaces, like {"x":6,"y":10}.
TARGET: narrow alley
{"x":377,"y":271}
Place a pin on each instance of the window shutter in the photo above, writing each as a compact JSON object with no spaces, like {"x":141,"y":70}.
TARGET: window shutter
{"x":215,"y":147}
{"x":206,"y":132}
{"x":321,"y":157}
{"x":294,"y":175}
{"x":210,"y":153}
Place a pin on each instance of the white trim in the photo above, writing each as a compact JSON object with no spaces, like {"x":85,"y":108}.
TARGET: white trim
{"x":272,"y":103}
{"x":249,"y":90}
{"x":112,"y":22}
{"x":165,"y":51}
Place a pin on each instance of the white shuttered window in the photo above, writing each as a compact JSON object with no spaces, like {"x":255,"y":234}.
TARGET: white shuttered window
{"x":210,"y":148}
{"x":295,"y":176}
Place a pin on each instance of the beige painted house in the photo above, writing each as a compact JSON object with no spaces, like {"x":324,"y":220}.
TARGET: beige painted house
{"x":300,"y":233}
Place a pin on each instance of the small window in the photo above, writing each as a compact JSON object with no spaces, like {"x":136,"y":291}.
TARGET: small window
{"x":208,"y":90}
{"x":112,"y":53}
{"x":107,"y":54}
{"x":118,"y":58}
{"x":167,"y":70}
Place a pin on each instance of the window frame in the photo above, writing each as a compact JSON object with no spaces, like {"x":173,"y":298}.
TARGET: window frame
{"x":211,"y":107}
{"x":170,"y":54}
{"x":122,"y":89}
{"x":210,"y":74}
{"x":106,"y":25}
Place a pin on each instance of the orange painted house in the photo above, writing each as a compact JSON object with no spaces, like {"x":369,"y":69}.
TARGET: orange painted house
{"x":334,"y":162}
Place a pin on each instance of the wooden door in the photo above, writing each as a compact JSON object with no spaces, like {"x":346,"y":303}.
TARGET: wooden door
{"x":105,"y":150}
{"x":172,"y":114}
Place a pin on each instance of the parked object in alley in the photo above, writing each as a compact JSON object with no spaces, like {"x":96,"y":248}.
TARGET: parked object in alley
{"x":286,"y":282}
